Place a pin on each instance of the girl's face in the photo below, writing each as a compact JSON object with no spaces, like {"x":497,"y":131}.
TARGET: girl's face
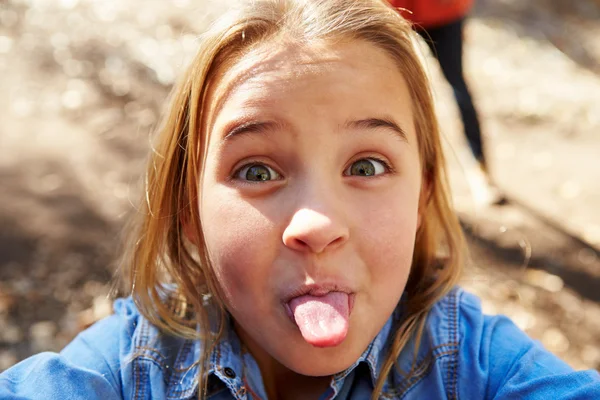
{"x":310,"y":200}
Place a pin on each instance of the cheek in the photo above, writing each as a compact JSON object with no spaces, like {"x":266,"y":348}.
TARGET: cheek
{"x":388,"y":234}
{"x":392,"y":235}
{"x":239,"y":239}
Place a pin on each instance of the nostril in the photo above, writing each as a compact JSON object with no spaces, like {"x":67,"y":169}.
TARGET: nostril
{"x":314,"y":246}
{"x":301,"y":243}
{"x":337,"y":241}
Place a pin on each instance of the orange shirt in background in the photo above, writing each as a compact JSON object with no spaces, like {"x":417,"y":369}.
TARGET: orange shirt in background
{"x":432,"y":13}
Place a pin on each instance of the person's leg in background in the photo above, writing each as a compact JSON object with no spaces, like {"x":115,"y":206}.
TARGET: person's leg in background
{"x":446,"y":44}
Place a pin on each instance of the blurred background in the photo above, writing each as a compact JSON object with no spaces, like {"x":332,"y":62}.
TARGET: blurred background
{"x":83,"y":83}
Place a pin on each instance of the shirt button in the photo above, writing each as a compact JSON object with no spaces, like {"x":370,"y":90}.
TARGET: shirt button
{"x":229,"y":372}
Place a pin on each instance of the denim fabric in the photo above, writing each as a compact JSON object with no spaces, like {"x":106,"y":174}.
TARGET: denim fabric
{"x":463,"y":355}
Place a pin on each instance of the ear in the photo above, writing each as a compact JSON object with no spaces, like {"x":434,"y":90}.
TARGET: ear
{"x":424,"y":198}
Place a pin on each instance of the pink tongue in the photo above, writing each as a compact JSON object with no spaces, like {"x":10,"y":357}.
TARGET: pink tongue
{"x":323,"y":320}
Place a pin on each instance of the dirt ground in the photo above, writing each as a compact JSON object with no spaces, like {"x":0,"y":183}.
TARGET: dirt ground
{"x":84,"y":82}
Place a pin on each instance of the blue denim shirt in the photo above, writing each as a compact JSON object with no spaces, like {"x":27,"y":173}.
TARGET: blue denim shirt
{"x":463,"y":355}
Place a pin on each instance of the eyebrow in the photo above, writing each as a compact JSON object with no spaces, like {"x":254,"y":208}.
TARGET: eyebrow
{"x":263,"y":127}
{"x":374,"y":123}
{"x":252,"y":127}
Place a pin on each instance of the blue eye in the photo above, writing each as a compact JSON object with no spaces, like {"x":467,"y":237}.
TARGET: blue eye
{"x":366,"y":167}
{"x":256,"y":173}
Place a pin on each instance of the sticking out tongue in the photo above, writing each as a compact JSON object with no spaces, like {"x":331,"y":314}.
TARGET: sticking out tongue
{"x":323,"y":320}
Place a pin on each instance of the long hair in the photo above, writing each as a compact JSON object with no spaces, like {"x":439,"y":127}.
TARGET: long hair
{"x":160,"y":255}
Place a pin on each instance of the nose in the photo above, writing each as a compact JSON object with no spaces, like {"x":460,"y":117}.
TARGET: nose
{"x":312,"y":231}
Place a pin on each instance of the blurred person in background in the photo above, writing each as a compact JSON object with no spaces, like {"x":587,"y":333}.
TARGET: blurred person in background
{"x":440,"y":23}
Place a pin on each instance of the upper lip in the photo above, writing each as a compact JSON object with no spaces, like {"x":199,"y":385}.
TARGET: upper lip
{"x":315,"y":289}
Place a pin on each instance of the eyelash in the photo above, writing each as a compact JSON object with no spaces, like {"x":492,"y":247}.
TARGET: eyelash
{"x":386,"y":165}
{"x":234,"y":175}
{"x":250,"y":164}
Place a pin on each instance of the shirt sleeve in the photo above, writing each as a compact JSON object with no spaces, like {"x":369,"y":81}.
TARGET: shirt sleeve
{"x":514,"y":366}
{"x":88,"y":368}
{"x":522,"y":368}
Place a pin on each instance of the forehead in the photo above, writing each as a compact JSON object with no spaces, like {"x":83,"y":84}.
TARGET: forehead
{"x":275,"y":69}
{"x":293,"y":61}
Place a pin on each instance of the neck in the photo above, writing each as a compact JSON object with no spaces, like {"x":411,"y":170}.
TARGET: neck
{"x":283,"y":384}
{"x":280,"y":382}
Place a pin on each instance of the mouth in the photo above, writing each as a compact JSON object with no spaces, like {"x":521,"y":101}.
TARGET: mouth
{"x":316,"y":290}
{"x":321,"y":313}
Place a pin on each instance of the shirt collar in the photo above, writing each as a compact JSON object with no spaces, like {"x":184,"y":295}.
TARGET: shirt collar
{"x":226,"y":361}
{"x":228,"y":352}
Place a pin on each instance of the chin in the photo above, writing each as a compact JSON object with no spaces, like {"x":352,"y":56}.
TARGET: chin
{"x":321,"y":370}
{"x":322,"y":361}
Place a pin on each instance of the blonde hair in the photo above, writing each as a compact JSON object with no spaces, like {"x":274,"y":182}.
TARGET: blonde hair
{"x":161,"y":256}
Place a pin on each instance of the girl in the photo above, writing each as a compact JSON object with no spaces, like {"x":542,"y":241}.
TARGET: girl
{"x":290,"y":246}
